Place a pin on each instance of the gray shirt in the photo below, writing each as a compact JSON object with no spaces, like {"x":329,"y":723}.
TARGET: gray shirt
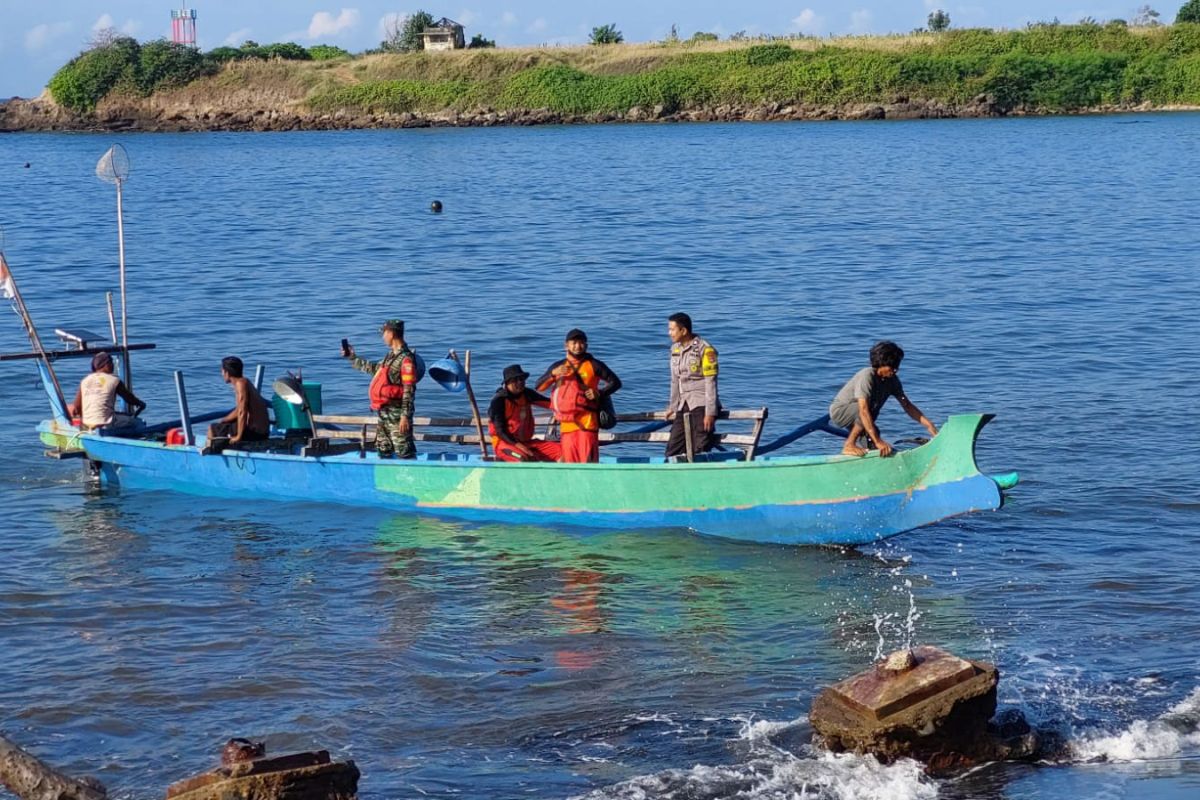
{"x":694,"y":377}
{"x":865,"y":384}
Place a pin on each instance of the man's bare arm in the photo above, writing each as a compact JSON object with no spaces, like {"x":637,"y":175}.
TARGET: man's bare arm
{"x":241,"y":410}
{"x":864,"y":417}
{"x":129,"y":397}
{"x":75,"y":407}
{"x":911,"y":409}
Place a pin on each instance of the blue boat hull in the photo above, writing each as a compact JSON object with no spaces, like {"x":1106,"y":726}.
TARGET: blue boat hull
{"x":859,"y":518}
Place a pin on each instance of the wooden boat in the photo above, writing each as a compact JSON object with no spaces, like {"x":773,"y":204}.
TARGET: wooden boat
{"x":797,"y":500}
{"x":742,"y":494}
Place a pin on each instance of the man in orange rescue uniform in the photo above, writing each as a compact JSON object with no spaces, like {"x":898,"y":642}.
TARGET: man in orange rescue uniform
{"x":510,"y":420}
{"x":576,"y":398}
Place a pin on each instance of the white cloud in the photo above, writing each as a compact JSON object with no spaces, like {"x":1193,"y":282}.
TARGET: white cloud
{"x":326,"y":24}
{"x":39,"y":36}
{"x":466,"y":17}
{"x":860,"y":21}
{"x":537,"y":26}
{"x":508,"y":18}
{"x":236,"y":38}
{"x":106,"y":22}
{"x":932,"y":5}
{"x":809,"y":22}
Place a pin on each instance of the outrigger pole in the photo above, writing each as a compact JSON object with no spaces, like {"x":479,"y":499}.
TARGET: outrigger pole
{"x":8,"y":289}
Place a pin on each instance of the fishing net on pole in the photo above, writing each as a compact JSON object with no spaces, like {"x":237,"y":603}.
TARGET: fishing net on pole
{"x":113,"y":166}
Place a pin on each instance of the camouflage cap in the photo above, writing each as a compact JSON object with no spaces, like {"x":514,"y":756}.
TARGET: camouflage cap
{"x":396,"y":326}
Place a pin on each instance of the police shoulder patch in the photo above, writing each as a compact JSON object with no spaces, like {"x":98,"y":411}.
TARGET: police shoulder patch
{"x":710,"y":361}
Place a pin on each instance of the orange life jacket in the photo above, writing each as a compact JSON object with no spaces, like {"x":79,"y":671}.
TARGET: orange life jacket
{"x":382,"y":390}
{"x":571,"y":406}
{"x":518,"y":414}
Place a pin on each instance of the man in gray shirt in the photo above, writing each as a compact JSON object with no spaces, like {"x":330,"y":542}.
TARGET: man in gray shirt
{"x":693,"y":389}
{"x":858,"y":403}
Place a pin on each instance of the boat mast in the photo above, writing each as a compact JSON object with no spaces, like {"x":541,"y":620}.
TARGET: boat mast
{"x":9,"y":290}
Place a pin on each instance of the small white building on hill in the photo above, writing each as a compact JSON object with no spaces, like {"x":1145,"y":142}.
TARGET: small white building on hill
{"x":445,"y":34}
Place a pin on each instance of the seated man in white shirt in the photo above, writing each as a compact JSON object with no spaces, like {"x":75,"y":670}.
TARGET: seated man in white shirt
{"x":95,"y":402}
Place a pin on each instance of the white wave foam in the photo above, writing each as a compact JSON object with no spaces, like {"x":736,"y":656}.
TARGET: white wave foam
{"x":849,"y":777}
{"x":826,"y":777}
{"x":761,"y":731}
{"x":1169,"y":735}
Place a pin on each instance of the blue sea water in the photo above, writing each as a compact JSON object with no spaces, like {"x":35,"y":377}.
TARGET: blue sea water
{"x":1041,"y":269}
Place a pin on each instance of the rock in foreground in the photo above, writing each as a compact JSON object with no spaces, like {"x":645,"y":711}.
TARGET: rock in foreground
{"x":301,"y":776}
{"x":925,"y":704}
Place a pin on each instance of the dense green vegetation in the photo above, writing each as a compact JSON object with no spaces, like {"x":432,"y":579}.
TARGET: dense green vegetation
{"x":120,"y":64}
{"x":1046,"y":67}
{"x":607,"y":34}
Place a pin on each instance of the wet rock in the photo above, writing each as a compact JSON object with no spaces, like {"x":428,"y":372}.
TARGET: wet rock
{"x":934,"y":710}
{"x":300,"y":776}
{"x":239,"y":750}
{"x":899,"y":661}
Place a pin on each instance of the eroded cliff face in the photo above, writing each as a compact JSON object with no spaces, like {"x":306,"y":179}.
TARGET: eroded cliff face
{"x":179,"y":112}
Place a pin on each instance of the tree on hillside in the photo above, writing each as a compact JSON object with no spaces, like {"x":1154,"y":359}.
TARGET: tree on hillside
{"x":404,"y":34}
{"x":939,"y":21}
{"x":103,"y":37}
{"x":477,"y":41}
{"x":1145,"y":17}
{"x":1190,"y":12}
{"x":607,"y":34}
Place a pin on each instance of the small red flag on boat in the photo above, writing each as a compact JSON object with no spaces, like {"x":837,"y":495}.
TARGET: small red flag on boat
{"x":7,"y":287}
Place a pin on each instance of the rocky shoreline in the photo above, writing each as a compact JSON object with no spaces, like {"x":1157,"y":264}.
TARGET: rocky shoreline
{"x":41,"y":115}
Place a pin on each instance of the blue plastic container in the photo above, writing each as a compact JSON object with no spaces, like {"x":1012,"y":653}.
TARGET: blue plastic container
{"x":448,"y":374}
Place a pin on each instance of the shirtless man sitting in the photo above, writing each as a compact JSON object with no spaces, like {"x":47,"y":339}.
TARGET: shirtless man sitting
{"x":248,"y":421}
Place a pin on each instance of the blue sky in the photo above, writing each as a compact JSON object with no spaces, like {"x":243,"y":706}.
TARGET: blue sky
{"x":38,"y":37}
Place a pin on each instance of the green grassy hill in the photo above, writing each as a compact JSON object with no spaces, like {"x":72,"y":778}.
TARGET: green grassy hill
{"x":1046,"y":68}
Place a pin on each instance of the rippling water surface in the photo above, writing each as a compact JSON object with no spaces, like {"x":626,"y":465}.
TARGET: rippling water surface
{"x":1044,"y":270}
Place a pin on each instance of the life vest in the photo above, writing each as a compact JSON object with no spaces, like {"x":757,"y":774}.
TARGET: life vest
{"x":382,"y":390}
{"x":518,"y":415}
{"x":571,"y":406}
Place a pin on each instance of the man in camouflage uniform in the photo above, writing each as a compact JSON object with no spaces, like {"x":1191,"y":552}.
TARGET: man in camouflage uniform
{"x":693,"y":388}
{"x":393,"y":392}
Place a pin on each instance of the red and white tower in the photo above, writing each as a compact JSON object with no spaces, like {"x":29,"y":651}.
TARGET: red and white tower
{"x":183,"y":26}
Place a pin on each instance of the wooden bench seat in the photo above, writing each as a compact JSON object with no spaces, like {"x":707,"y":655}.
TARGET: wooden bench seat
{"x":347,"y":433}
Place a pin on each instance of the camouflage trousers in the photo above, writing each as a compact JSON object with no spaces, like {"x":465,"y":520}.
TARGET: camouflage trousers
{"x":389,"y":441}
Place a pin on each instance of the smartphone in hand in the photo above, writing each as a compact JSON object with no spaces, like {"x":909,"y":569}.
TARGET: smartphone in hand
{"x":345,"y":348}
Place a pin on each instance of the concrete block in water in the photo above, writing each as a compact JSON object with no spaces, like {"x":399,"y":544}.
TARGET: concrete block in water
{"x":300,"y":776}
{"x":930,"y":706}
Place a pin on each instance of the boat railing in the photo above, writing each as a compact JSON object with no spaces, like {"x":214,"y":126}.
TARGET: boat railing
{"x":339,"y":433}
